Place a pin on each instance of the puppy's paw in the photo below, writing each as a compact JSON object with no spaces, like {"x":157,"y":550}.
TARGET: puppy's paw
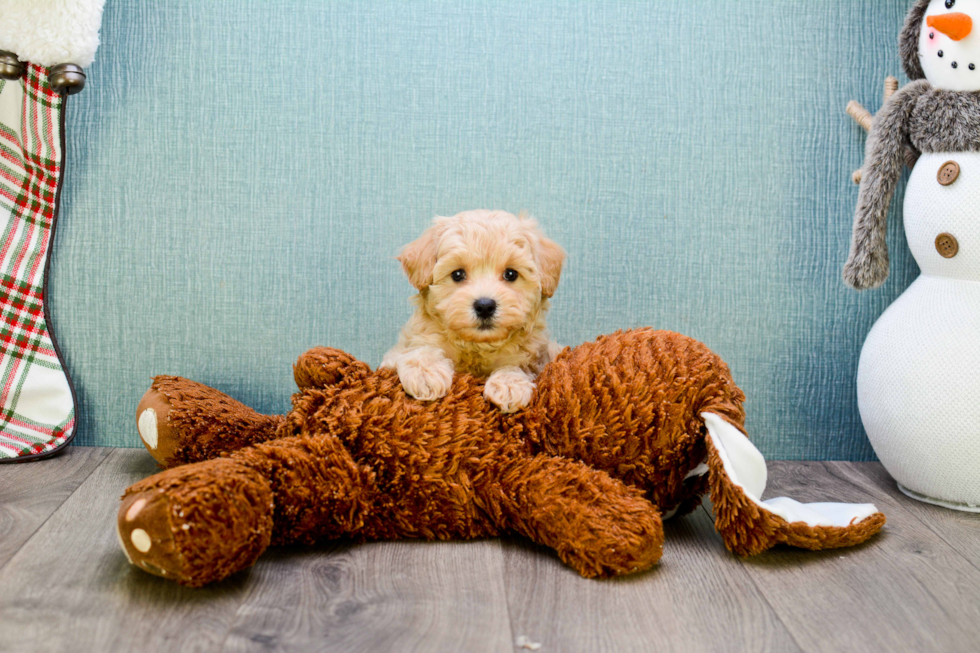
{"x":425,"y":373}
{"x":509,"y":388}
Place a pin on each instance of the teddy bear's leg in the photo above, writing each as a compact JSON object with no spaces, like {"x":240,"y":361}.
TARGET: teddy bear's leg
{"x":197,"y":523}
{"x":180,"y":421}
{"x":598,"y":525}
{"x":320,"y":491}
{"x":202,"y":522}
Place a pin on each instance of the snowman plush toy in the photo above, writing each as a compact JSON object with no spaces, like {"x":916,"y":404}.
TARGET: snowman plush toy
{"x":919,"y":374}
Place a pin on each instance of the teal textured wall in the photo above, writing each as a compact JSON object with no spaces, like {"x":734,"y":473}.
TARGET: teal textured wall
{"x":241,"y":175}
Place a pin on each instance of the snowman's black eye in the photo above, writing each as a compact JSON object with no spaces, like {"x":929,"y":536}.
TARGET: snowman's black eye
{"x":950,"y":3}
{"x":510,"y":275}
{"x":458,"y":275}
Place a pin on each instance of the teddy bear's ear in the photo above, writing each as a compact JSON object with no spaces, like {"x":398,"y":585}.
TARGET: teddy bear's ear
{"x":324,"y":366}
{"x":418,"y":258}
{"x":550,"y":257}
{"x":748,"y":525}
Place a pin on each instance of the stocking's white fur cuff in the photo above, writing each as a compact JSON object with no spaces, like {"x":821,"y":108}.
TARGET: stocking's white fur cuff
{"x":49,"y":32}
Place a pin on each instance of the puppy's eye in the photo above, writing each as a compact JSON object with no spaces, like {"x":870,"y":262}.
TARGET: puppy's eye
{"x":510,"y":275}
{"x":458,"y":275}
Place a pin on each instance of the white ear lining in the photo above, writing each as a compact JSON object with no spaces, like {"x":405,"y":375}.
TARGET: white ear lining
{"x":746,"y":468}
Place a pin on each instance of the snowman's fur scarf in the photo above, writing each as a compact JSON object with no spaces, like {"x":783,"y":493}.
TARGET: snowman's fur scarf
{"x":50,"y":32}
{"x":925,"y":119}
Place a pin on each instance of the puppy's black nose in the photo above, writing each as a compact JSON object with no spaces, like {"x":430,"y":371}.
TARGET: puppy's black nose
{"x":484,"y":308}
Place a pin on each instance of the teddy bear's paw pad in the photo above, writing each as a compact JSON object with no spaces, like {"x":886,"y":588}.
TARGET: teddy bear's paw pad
{"x":509,"y":390}
{"x":144,"y":529}
{"x":153,"y":425}
{"x":147,"y":426}
{"x":425,"y":377}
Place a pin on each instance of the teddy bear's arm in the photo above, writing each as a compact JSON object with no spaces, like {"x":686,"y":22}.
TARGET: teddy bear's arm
{"x":867,"y":263}
{"x":598,"y":525}
{"x":181,"y":421}
{"x":324,"y":366}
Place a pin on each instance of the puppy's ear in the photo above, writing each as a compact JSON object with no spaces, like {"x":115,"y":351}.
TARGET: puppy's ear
{"x":550,"y":257}
{"x":418,"y":258}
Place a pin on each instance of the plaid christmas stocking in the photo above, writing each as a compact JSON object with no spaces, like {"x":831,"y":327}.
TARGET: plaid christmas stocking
{"x":37,"y":404}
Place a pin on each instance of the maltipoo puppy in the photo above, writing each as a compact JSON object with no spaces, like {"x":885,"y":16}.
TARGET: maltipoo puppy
{"x":484,"y":279}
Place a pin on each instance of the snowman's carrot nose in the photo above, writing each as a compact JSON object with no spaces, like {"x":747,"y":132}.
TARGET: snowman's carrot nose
{"x":955,"y":26}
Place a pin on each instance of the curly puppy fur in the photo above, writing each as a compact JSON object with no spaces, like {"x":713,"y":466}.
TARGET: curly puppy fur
{"x":493,"y":258}
{"x":921,"y":117}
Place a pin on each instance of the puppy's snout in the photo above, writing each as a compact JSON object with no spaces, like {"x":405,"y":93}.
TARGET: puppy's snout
{"x":484,"y":308}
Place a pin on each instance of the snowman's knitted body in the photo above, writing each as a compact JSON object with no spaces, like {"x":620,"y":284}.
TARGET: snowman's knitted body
{"x":917,"y":382}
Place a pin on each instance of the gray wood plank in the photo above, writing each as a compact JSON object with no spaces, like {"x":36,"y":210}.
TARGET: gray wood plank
{"x":383,"y":596}
{"x":379,"y":596}
{"x":70,"y":587}
{"x":904,"y":590}
{"x":31,"y":492}
{"x":697,"y":599}
{"x":960,"y":530}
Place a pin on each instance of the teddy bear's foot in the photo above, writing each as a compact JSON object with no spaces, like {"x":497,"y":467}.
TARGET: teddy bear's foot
{"x":180,"y":421}
{"x":197,"y":524}
{"x":143,"y":526}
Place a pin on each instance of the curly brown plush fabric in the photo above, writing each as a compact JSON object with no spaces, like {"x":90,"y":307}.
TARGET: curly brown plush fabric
{"x":606,"y":444}
{"x":630,"y":404}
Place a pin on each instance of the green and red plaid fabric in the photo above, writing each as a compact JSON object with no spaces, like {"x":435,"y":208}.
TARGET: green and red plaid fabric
{"x":37,"y":412}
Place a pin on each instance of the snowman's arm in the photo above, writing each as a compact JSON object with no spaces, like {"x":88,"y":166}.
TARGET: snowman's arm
{"x":867,"y":264}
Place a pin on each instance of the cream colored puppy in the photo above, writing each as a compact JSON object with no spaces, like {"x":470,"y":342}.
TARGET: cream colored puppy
{"x":484,"y":279}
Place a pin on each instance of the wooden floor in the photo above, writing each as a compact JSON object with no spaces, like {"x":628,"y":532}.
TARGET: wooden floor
{"x":65,"y":584}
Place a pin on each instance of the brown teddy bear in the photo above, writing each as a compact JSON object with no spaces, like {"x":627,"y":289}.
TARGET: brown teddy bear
{"x":620,"y":433}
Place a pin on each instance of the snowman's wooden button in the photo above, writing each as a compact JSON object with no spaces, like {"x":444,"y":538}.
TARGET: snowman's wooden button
{"x":949,"y":173}
{"x":947,"y":245}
